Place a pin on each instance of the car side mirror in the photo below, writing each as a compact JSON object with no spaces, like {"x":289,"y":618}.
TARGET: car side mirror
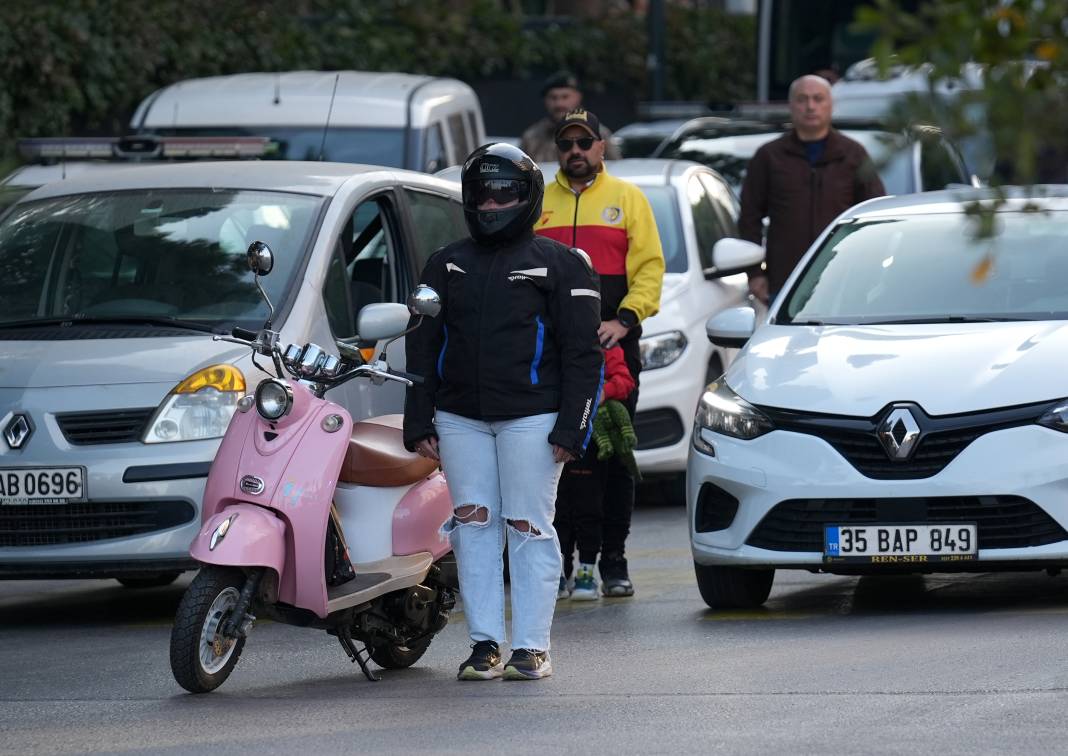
{"x":731,"y":328}
{"x":424,"y":301}
{"x":730,"y":256}
{"x":382,"y":320}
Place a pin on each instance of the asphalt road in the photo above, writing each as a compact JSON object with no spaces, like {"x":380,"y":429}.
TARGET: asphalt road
{"x":959,"y":664}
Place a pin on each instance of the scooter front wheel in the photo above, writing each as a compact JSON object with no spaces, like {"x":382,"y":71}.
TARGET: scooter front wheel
{"x":201,"y":656}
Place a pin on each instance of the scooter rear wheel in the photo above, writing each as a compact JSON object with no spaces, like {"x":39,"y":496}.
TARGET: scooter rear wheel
{"x":201,"y":657}
{"x":399,"y":657}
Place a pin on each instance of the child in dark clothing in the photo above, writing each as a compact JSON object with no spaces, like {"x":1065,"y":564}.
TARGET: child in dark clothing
{"x":580,"y":496}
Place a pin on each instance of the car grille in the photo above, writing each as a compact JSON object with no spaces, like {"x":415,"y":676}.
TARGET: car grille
{"x":52,"y":524}
{"x":1004,"y":522}
{"x":941,"y":438}
{"x":656,"y":428}
{"x":108,"y":427}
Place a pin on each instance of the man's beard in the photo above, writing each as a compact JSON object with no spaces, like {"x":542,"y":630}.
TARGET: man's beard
{"x":578,"y":168}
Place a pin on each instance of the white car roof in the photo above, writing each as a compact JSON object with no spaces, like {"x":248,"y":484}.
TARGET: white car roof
{"x":297,"y":98}
{"x":641,"y":171}
{"x":1048,"y":196}
{"x":272,"y":175}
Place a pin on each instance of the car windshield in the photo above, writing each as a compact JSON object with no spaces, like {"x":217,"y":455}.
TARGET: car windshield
{"x":666,"y":212}
{"x":9,"y":195}
{"x":929,"y":268}
{"x":730,"y":155}
{"x":168,"y":255}
{"x":375,"y":146}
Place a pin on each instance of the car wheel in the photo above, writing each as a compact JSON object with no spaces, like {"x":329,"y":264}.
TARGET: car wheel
{"x":155,"y":580}
{"x":733,"y":587}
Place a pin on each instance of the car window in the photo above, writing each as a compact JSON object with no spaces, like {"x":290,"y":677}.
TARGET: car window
{"x":460,"y":144}
{"x":668,"y":225}
{"x":724,"y":202}
{"x":472,"y":123}
{"x":177,"y":253}
{"x":436,"y":221}
{"x":706,"y":222}
{"x":938,"y":168}
{"x":364,"y":268}
{"x":376,"y":146}
{"x":434,"y":149}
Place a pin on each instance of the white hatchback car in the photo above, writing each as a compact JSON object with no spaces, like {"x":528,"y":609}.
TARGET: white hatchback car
{"x":113,"y":394}
{"x":902,"y":409}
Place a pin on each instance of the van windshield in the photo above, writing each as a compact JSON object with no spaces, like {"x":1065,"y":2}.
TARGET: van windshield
{"x":375,"y":146}
{"x":154,"y":255}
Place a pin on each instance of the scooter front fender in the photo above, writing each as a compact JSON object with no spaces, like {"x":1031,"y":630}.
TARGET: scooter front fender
{"x":255,"y":537}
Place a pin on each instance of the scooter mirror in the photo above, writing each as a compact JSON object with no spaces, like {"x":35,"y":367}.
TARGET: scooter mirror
{"x":260,"y":258}
{"x":383,"y":320}
{"x":424,"y":301}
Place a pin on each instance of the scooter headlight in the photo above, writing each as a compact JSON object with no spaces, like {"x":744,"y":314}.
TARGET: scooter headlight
{"x":274,"y":399}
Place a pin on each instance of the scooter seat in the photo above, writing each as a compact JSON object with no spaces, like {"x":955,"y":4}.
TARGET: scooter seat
{"x":376,"y":455}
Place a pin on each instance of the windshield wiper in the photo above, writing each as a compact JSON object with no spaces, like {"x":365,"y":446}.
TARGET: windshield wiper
{"x":72,"y":320}
{"x":948,"y":319}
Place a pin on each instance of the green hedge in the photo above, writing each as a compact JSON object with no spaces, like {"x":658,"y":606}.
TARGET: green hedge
{"x":81,"y":66}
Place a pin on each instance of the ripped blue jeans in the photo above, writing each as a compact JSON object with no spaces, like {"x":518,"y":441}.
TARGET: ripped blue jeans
{"x":502,"y":480}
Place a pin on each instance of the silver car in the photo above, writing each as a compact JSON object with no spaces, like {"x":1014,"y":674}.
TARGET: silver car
{"x":113,"y":394}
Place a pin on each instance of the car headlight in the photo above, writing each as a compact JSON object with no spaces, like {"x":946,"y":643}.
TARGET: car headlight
{"x":199,"y":407}
{"x":722,"y":411}
{"x":661,"y":349}
{"x":274,"y":399}
{"x":1056,"y":418}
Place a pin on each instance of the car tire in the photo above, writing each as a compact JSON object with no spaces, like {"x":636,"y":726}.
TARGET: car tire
{"x":733,"y":587}
{"x":157,"y":580}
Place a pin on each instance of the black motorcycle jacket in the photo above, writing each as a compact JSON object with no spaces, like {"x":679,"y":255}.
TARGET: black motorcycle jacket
{"x":516,"y":336}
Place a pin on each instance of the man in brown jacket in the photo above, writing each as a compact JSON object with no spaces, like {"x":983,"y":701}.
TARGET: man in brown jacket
{"x":800,"y":182}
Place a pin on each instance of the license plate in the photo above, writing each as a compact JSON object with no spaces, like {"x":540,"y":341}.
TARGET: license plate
{"x":42,"y":485}
{"x":900,"y":544}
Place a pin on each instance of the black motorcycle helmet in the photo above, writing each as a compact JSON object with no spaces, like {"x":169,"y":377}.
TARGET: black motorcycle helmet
{"x":504,"y":174}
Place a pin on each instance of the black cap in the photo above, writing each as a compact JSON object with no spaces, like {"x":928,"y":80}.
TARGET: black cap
{"x":558,"y":80}
{"x":579,"y":117}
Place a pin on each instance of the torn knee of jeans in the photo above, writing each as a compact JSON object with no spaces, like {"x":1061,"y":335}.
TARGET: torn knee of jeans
{"x":525,"y":528}
{"x":471,"y":514}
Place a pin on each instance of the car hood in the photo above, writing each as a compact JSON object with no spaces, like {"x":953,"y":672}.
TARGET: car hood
{"x":94,"y":362}
{"x":945,"y":368}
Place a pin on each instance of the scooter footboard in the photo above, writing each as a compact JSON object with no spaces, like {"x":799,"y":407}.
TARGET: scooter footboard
{"x":254,"y":537}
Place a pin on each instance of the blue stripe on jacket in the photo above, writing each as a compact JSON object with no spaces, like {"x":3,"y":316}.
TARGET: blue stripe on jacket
{"x":538,"y":345}
{"x":596,"y":405}
{"x":441,"y":355}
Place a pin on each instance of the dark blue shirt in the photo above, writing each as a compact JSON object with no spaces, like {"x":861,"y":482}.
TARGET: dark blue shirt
{"x":814,"y":150}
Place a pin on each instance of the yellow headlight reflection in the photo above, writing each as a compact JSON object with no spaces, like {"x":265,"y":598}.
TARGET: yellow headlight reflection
{"x":218,"y":377}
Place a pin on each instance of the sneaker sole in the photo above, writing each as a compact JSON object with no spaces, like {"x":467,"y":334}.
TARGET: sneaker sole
{"x":470,"y":673}
{"x":590,"y":595}
{"x":618,"y":592}
{"x":545,"y":670}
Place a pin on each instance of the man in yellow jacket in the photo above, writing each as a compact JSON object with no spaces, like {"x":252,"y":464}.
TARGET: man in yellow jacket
{"x":612,"y":222}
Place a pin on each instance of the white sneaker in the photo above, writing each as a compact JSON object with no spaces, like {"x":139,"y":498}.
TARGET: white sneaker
{"x":585,"y":585}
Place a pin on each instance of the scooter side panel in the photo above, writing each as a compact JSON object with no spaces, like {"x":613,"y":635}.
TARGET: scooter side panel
{"x":367,"y":519}
{"x":255,"y":538}
{"x":419,"y":516}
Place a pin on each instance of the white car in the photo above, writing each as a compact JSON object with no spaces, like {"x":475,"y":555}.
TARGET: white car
{"x":694,"y":209}
{"x":901,"y":409}
{"x":114,"y":395}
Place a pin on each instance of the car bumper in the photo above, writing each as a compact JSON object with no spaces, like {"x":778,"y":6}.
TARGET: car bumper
{"x":142,"y":507}
{"x":1025,"y":462}
{"x":667,"y":401}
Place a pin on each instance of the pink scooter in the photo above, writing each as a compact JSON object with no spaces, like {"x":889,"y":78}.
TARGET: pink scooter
{"x":315,"y":521}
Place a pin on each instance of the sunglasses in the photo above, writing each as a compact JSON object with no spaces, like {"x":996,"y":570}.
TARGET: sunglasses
{"x":565,"y":145}
{"x":501,"y":191}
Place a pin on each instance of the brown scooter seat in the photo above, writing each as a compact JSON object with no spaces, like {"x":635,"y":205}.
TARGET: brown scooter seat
{"x":377,"y":457}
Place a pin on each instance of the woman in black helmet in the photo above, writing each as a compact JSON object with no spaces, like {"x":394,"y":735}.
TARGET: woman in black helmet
{"x":512,"y":372}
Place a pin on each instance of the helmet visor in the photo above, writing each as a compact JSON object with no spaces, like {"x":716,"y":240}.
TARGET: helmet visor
{"x":501,"y":192}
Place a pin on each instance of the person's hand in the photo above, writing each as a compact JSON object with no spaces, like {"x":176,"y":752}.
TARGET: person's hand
{"x":610,"y":332}
{"x":758,"y":287}
{"x":560,"y":454}
{"x":428,"y":447}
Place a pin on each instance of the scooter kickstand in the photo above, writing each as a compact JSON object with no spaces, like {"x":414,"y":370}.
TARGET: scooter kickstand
{"x":344,"y":636}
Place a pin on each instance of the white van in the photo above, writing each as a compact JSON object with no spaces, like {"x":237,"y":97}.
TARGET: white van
{"x":423,"y":123}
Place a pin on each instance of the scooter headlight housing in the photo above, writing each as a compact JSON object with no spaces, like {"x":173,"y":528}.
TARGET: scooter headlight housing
{"x":274,"y":399}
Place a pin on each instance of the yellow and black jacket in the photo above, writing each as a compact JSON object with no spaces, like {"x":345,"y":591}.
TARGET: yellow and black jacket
{"x":612,"y":222}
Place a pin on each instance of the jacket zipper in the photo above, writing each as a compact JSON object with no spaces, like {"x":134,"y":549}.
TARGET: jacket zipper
{"x":574,"y":221}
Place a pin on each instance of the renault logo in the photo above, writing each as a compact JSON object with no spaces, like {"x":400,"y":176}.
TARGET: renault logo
{"x":899,"y":433}
{"x":18,"y":431}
